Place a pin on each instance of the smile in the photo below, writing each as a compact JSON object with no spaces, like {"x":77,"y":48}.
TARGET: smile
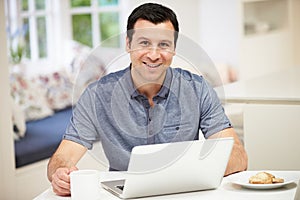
{"x":152,"y":65}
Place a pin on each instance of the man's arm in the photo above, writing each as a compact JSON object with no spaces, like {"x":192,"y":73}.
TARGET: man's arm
{"x":238,"y":160}
{"x":62,"y":163}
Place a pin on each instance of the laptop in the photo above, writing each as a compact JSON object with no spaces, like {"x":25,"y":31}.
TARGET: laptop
{"x":169,"y":168}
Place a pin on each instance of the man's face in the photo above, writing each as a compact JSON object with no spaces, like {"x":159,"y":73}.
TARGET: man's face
{"x":151,"y":51}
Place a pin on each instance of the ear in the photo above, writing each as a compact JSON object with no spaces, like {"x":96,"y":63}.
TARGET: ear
{"x":127,"y":45}
{"x":174,"y":52}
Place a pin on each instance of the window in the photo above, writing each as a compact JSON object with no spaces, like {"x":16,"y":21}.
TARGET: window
{"x":95,"y":22}
{"x":44,"y":24}
{"x":35,"y":14}
{"x":28,"y":26}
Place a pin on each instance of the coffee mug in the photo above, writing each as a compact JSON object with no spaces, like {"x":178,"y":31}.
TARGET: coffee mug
{"x":85,"y":184}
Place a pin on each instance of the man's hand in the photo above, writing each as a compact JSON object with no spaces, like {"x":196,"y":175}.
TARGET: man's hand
{"x":62,"y":163}
{"x":61,"y":181}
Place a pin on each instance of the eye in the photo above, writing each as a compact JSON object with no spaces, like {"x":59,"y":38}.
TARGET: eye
{"x":144,"y":43}
{"x":164,"y":45}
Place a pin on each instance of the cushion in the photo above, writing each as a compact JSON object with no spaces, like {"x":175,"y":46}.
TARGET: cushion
{"x":83,"y":67}
{"x":59,"y":89}
{"x":75,"y":55}
{"x":42,"y":138}
{"x":30,"y":96}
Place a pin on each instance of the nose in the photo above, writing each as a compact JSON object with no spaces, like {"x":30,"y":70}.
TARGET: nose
{"x":153,"y":53}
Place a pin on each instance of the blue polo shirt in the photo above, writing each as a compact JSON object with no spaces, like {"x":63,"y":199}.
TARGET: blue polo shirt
{"x":113,"y":111}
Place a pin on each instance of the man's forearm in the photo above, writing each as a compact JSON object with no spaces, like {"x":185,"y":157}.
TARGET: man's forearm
{"x":238,"y":160}
{"x":66,"y":156}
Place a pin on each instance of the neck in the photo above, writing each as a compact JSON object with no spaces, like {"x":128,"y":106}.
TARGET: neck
{"x":149,"y":88}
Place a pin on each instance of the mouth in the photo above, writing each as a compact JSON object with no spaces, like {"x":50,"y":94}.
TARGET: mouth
{"x":152,"y":65}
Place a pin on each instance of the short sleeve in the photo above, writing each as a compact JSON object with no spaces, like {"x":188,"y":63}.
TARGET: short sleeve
{"x":212,"y":118}
{"x":82,"y":128}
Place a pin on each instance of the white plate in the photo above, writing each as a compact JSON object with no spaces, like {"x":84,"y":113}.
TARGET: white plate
{"x":242,"y":179}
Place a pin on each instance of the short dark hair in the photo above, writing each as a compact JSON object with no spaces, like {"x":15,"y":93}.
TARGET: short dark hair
{"x":155,"y":13}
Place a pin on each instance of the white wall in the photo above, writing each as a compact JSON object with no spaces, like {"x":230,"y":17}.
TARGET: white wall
{"x":296,"y":25}
{"x":7,"y":168}
{"x":220,"y":30}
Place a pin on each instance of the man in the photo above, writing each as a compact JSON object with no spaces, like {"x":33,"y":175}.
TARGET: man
{"x":146,"y":103}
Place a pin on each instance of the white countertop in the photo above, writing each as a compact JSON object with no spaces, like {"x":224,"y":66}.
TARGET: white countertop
{"x":278,"y":87}
{"x":227,"y":190}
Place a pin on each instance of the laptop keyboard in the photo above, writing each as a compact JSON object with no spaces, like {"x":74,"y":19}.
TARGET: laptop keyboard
{"x":121,"y":187}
